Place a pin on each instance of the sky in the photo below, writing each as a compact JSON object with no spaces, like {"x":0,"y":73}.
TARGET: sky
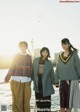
{"x":45,"y":22}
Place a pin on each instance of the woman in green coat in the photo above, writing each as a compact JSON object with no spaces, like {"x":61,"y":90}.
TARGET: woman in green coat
{"x":42,"y":76}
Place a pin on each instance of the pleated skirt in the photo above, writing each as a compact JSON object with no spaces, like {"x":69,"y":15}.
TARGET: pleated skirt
{"x":69,"y":94}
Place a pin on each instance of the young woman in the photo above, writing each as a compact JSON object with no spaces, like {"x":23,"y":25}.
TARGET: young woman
{"x":68,"y":72}
{"x":43,"y":81}
{"x":20,"y":74}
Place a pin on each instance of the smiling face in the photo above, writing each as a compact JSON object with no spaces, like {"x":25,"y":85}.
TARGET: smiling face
{"x":44,"y":54}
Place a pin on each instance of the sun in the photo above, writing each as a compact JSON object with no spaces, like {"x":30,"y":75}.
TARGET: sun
{"x":8,"y":48}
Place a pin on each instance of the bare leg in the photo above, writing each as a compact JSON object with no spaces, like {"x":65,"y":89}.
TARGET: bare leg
{"x":68,"y":110}
{"x":62,"y":110}
{"x":76,"y":110}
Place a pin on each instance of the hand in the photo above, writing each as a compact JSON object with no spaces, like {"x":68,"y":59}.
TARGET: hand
{"x":57,"y":85}
{"x":6,"y":80}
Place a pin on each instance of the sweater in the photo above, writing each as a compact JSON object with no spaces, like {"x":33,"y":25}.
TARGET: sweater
{"x":68,"y":69}
{"x":21,"y":66}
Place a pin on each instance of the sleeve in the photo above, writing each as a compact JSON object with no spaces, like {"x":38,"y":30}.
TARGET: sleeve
{"x":52,"y":75}
{"x":31,"y":64}
{"x":56,"y":75}
{"x":77,"y":63}
{"x":32,"y":71}
{"x":31,"y":61}
{"x":11,"y":69}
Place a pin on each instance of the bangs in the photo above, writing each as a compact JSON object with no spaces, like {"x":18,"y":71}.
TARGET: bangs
{"x":45,"y":49}
{"x":65,"y":41}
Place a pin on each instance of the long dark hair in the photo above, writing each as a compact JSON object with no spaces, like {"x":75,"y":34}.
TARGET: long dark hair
{"x":45,"y":49}
{"x":71,"y":47}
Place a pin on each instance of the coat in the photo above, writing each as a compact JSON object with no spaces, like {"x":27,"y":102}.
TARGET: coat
{"x":47,"y":77}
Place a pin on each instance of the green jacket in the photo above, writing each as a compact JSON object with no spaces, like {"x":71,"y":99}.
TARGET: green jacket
{"x":47,"y":77}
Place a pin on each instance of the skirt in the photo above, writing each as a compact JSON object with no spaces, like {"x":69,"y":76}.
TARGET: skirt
{"x":69,"y":94}
{"x":43,"y":103}
{"x":74,"y":101}
{"x":64,"y":93}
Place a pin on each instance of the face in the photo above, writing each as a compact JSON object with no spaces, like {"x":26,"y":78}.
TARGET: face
{"x":23,"y":48}
{"x":45,"y":54}
{"x":65,"y":46}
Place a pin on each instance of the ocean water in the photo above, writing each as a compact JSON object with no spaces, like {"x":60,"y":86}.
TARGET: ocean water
{"x":6,"y":99}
